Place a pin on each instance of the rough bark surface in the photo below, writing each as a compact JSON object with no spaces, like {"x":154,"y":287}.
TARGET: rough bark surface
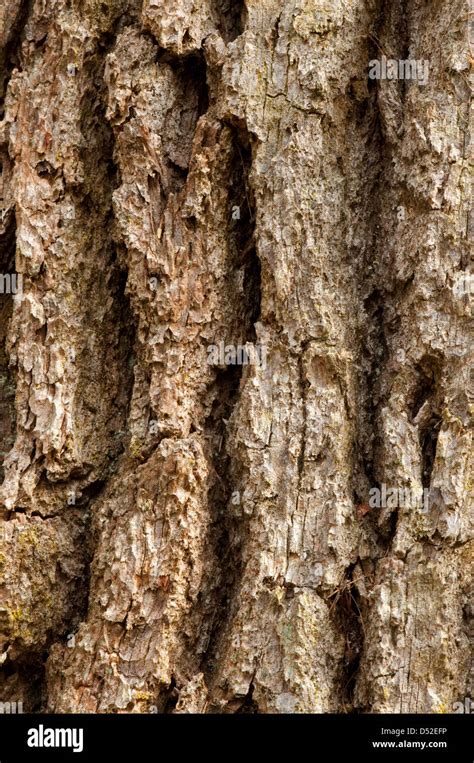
{"x":183,"y":537}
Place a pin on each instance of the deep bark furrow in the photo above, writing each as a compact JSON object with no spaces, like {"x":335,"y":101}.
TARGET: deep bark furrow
{"x":10,"y":286}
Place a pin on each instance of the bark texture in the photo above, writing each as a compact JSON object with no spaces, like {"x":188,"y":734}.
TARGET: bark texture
{"x":183,"y":537}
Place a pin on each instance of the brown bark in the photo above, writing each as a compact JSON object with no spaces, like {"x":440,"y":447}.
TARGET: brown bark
{"x":187,"y":537}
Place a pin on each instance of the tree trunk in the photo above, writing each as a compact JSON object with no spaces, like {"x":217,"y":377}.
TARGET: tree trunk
{"x":183,"y":534}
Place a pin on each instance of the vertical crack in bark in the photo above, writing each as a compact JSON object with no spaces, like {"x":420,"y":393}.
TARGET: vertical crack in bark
{"x":116,"y":347}
{"x":373,"y":355}
{"x":372,"y":351}
{"x":7,"y":384}
{"x":241,"y":231}
{"x":426,"y":414}
{"x":225,"y":392}
{"x":228,"y":530}
{"x":382,"y":122}
{"x":346,"y":606}
{"x":468,"y":627}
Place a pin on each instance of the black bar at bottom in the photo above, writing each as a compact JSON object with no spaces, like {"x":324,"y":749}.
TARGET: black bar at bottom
{"x":152,"y":737}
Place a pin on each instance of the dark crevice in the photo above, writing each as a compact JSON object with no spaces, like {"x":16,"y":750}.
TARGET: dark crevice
{"x":389,"y":530}
{"x":428,"y":443}
{"x":169,"y":699}
{"x":91,"y":491}
{"x":241,"y":230}
{"x":381,"y":122}
{"x":192,"y":71}
{"x":372,"y":345}
{"x":9,"y":58}
{"x":230,"y":17}
{"x":7,"y":381}
{"x":114,"y":22}
{"x":225,"y":393}
{"x":118,"y":335}
{"x":468,"y":629}
{"x":80,"y":593}
{"x":229,"y":528}
{"x":176,"y":154}
{"x":425,"y":413}
{"x":423,"y":391}
{"x":124,"y":358}
{"x":374,"y":353}
{"x":249,"y":706}
{"x":22,"y":681}
{"x":346,"y":609}
{"x":177,"y":176}
{"x":197,"y":74}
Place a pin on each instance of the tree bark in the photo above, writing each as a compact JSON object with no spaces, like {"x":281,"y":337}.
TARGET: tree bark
{"x":179,"y":536}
